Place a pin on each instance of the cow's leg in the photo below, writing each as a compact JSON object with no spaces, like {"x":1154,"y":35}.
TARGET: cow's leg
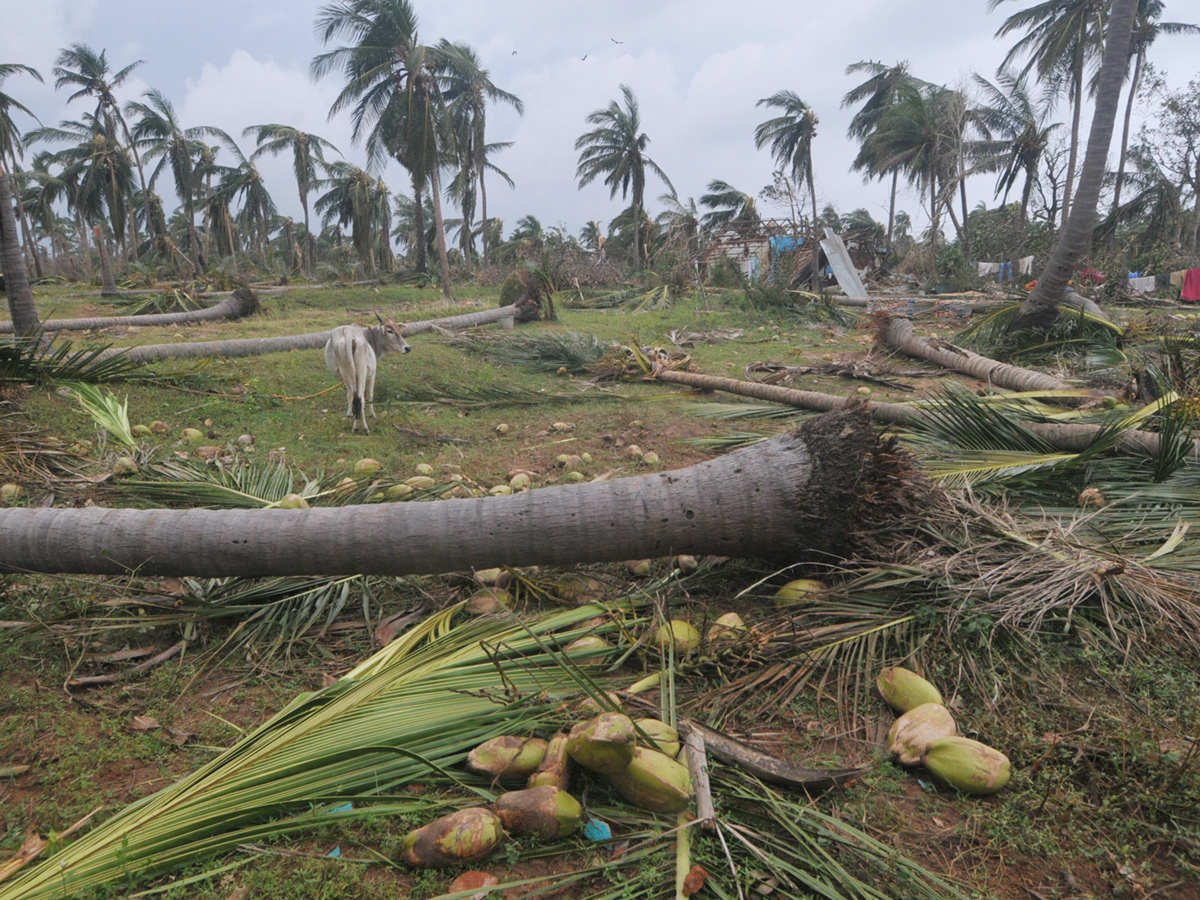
{"x":369,"y":394}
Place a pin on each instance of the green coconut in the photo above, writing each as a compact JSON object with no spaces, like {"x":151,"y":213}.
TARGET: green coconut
{"x":603,"y":744}
{"x":140,"y":430}
{"x":799,"y":591}
{"x":904,"y":689}
{"x":398,"y":492}
{"x":507,"y":758}
{"x":575,"y":588}
{"x":967,"y":765}
{"x":593,"y":646}
{"x":683,"y":634}
{"x":365,"y":468}
{"x":556,"y":766}
{"x":461,"y":837}
{"x":487,"y":601}
{"x":420,"y":482}
{"x":9,"y":494}
{"x":662,"y":734}
{"x":192,"y":435}
{"x":912,"y":733}
{"x":124,"y":465}
{"x":424,"y":469}
{"x":654,"y":781}
{"x":547,"y":812}
{"x":639,"y":568}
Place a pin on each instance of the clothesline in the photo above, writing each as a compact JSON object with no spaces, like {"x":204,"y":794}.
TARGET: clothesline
{"x":1004,"y":270}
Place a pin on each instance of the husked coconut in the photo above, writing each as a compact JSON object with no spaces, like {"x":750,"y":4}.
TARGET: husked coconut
{"x":912,"y":733}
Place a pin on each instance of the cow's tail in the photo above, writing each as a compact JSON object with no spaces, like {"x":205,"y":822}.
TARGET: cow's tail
{"x":356,"y":405}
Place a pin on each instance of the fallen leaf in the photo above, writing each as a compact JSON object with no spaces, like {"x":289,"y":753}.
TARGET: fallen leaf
{"x":144,"y":723}
{"x":12,"y":771}
{"x":694,"y":881}
{"x":178,"y":736}
{"x":473,"y":880}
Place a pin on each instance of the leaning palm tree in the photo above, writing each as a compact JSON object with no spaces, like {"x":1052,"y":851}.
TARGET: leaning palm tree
{"x":790,"y":136}
{"x":727,"y":206}
{"x":393,"y":90}
{"x":615,"y":149}
{"x":1040,"y":308}
{"x":1061,"y":38}
{"x":82,"y":68}
{"x":159,"y":132}
{"x":308,"y":156}
{"x":877,"y":93}
{"x":468,"y":88}
{"x":1146,"y":30}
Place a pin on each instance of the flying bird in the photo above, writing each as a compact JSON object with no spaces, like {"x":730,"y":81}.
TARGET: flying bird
{"x":582,"y":58}
{"x":615,"y":41}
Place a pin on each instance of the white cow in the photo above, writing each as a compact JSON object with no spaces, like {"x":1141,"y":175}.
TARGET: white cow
{"x":351,"y":352}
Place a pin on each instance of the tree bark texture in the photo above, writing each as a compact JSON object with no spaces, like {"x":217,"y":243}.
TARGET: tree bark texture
{"x":1040,"y":308}
{"x":1067,"y":436}
{"x":261,"y":346}
{"x":241,"y":303}
{"x":797,"y":496}
{"x":12,"y":265}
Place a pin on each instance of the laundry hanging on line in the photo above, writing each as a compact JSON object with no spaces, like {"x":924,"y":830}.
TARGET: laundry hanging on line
{"x":1142,"y":283}
{"x":1191,"y":286}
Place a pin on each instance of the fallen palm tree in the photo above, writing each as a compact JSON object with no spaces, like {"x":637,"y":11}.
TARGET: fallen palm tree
{"x":898,"y":334}
{"x":313,"y":340}
{"x":1064,"y":436}
{"x":241,"y":303}
{"x":801,"y":494}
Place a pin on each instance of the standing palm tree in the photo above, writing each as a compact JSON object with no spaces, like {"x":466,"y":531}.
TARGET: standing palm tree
{"x":877,"y":93}
{"x":1040,"y":308}
{"x":243,"y":182}
{"x":615,"y":148}
{"x":12,"y":265}
{"x":393,"y":88}
{"x":12,"y":147}
{"x":350,"y":200}
{"x":1145,"y":31}
{"x":308,"y":154}
{"x":1061,"y":38}
{"x":790,"y":136}
{"x":82,"y":68}
{"x":729,"y":207}
{"x":468,"y":89}
{"x":159,"y":131}
{"x":1011,"y":115}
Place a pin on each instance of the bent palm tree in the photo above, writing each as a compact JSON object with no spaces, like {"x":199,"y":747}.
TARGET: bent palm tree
{"x":790,"y":136}
{"x":795,"y":496}
{"x":1040,"y":308}
{"x":308,"y":154}
{"x":615,"y":149}
{"x":728,"y":206}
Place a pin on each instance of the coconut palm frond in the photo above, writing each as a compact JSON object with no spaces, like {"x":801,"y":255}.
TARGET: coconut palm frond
{"x":731,"y":411}
{"x":29,"y":453}
{"x":24,"y":360}
{"x":106,"y":411}
{"x":956,"y":417}
{"x":635,"y":299}
{"x":243,"y":485}
{"x":545,"y":352}
{"x":493,"y":395}
{"x":971,"y":468}
{"x":413,"y":710}
{"x":171,"y":301}
{"x":730,"y":440}
{"x":1075,"y":328}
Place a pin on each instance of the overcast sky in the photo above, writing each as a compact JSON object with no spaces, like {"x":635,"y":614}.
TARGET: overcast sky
{"x":697,"y":67}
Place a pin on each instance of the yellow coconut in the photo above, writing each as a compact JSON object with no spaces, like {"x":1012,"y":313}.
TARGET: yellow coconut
{"x":461,"y":837}
{"x":799,"y":591}
{"x":367,"y":467}
{"x":728,"y":627}
{"x":904,"y":689}
{"x":912,"y":733}
{"x":592,"y":648}
{"x":682,"y":634}
{"x":546,"y":812}
{"x":967,"y":765}
{"x":507,"y":758}
{"x":654,"y":781}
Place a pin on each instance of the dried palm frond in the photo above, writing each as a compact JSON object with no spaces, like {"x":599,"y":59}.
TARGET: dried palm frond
{"x":712,"y":410}
{"x":545,"y":352}
{"x":29,"y":453}
{"x":170,"y":301}
{"x":464,"y":396}
{"x":243,"y":485}
{"x":634,"y":299}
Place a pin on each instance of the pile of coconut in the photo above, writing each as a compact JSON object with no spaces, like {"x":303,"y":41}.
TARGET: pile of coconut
{"x":636,"y":756}
{"x":925,"y":735}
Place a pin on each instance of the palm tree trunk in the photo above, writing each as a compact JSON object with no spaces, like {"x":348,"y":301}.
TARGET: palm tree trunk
{"x":892,"y":214}
{"x":1076,"y":109}
{"x":1072,"y":438}
{"x":816,"y":255}
{"x":310,"y":245}
{"x":1040,"y":308}
{"x":1133,"y":89}
{"x":435,"y":191}
{"x":419,"y":262}
{"x":108,"y":284}
{"x":483,"y":212}
{"x":12,"y":265}
{"x":800,"y":495}
{"x":242,"y":302}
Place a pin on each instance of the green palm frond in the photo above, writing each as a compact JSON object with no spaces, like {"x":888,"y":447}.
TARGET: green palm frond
{"x":171,"y":301}
{"x":106,"y":411}
{"x":732,"y":411}
{"x":412,"y":710}
{"x":23,"y":360}
{"x":546,"y":352}
{"x":634,"y":299}
{"x":243,"y":485}
{"x":730,"y":440}
{"x":970,"y":468}
{"x":1075,"y":328}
